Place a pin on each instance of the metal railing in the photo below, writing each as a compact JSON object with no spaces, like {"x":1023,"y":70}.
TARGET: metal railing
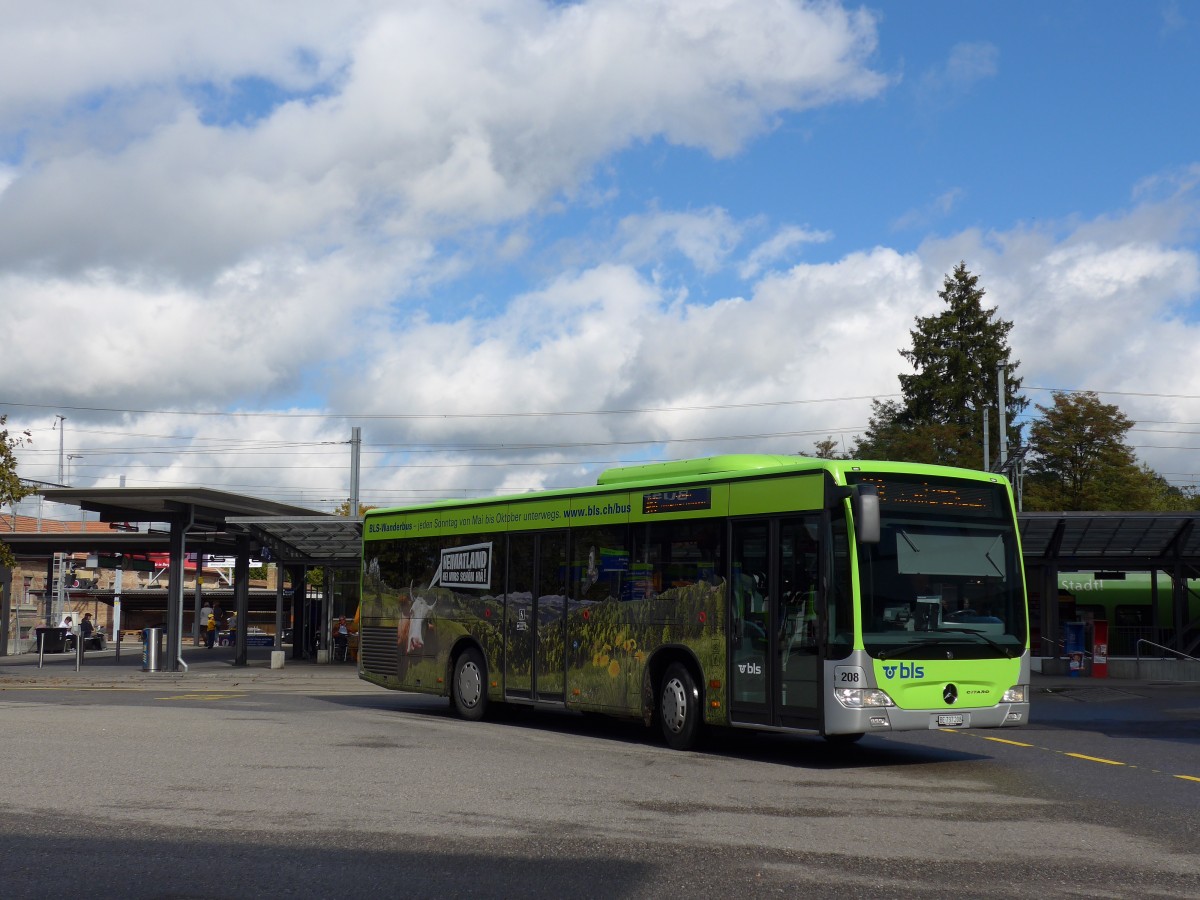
{"x":1122,"y":639}
{"x":1138,"y":651}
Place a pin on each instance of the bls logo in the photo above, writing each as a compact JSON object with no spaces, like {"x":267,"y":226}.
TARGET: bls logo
{"x":751,"y":668}
{"x":906,"y":671}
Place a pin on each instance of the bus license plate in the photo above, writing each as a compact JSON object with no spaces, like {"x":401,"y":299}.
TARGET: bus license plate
{"x":950,"y":721}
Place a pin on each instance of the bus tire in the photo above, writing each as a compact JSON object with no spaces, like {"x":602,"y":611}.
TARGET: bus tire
{"x":844,"y":738}
{"x":679,"y":708}
{"x":468,"y":686}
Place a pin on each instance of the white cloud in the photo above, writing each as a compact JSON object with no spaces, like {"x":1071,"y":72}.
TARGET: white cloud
{"x":442,"y":117}
{"x":194,"y":255}
{"x":927,"y":215}
{"x":610,"y":338}
{"x":110,"y":338}
{"x":704,"y":238}
{"x":66,"y":56}
{"x":967,"y":64}
{"x":971,"y":62}
{"x":779,"y":246}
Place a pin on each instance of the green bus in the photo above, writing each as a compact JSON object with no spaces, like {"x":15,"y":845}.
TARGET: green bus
{"x":777,"y":593}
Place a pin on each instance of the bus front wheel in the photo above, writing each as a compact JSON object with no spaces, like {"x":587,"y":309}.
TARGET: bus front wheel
{"x":468,"y":687}
{"x":679,"y":708}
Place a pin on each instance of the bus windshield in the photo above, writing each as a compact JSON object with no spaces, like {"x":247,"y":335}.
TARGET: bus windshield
{"x":945,"y":577}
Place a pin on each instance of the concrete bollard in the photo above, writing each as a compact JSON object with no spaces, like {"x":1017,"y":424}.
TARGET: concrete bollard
{"x":276,"y":659}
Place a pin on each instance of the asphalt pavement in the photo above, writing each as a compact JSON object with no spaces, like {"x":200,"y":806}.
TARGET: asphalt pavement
{"x":210,"y":667}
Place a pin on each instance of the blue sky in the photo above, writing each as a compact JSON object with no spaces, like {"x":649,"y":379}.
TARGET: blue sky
{"x":997,"y":114}
{"x":262,"y":226}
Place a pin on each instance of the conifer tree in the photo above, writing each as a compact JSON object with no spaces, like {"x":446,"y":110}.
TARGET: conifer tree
{"x":954,"y":356}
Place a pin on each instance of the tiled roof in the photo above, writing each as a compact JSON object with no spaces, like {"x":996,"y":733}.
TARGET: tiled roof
{"x":32,"y":525}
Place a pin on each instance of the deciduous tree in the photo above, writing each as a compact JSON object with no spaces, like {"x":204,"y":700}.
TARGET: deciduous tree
{"x":828,"y":449}
{"x":1079,"y":461}
{"x":11,"y":489}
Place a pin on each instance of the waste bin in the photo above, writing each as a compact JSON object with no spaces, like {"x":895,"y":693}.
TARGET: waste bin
{"x":152,"y":649}
{"x":53,"y":638}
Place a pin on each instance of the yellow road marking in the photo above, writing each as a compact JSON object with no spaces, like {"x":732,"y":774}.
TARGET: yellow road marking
{"x":1099,"y":759}
{"x":1003,"y":741}
{"x":1107,"y":762}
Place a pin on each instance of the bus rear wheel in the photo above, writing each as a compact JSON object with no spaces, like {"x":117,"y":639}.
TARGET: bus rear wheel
{"x":468,"y":686}
{"x":679,"y":708}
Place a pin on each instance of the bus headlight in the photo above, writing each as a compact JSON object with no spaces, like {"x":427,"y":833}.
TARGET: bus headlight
{"x":1018,"y":693}
{"x":862,"y":698}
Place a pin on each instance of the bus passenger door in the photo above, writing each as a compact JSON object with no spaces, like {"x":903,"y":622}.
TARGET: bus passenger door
{"x":798,"y":654}
{"x":519,"y":617}
{"x":535,"y":620}
{"x":774,"y":654}
{"x":550,"y":614}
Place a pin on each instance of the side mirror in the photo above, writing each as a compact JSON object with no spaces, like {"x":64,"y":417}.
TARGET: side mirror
{"x":864,"y":503}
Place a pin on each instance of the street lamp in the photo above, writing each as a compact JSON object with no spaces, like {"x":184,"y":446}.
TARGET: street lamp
{"x":71,"y":456}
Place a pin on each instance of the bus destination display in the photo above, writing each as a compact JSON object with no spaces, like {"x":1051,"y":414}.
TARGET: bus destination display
{"x":676,"y":501}
{"x":963,"y":498}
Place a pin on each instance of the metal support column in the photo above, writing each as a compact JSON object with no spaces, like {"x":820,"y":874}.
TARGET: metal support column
{"x":325,"y":620}
{"x":5,"y":609}
{"x":241,"y":597}
{"x":1051,"y":626}
{"x":179,"y":529}
{"x":278,"y":606}
{"x":48,"y":592}
{"x":1179,"y":605}
{"x":299,"y":591}
{"x":1155,"y":609}
{"x":198,"y":627}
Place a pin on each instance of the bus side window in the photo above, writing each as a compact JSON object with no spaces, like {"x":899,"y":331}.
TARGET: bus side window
{"x":752,"y":604}
{"x":671,"y":556}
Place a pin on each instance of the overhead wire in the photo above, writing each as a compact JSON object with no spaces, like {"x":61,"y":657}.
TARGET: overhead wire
{"x":487,"y":415}
{"x":201,"y":445}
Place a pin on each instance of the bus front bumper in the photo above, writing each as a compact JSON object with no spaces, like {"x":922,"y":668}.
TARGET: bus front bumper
{"x":881,"y":719}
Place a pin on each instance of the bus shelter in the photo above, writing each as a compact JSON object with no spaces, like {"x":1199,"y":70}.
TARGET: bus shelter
{"x":298,"y":543}
{"x":196,"y":520}
{"x":1110,"y":544}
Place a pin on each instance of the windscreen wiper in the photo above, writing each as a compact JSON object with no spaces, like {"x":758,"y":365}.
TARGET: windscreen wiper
{"x":933,"y":642}
{"x":914,"y":645}
{"x":1007,"y":651}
